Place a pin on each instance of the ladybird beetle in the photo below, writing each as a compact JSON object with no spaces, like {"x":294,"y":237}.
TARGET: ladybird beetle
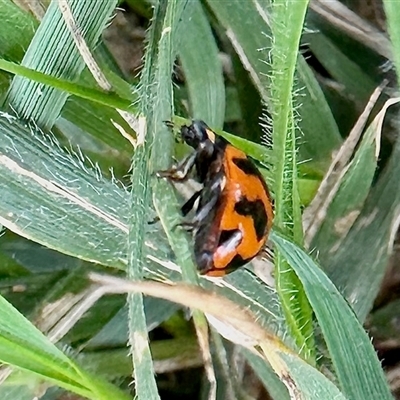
{"x":234,"y":211}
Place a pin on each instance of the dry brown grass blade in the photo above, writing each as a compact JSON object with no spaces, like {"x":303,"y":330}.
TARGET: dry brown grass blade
{"x":337,"y":14}
{"x":315,"y":213}
{"x":241,"y":323}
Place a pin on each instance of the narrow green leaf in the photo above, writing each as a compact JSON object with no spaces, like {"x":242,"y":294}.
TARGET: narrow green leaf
{"x":164,"y":198}
{"x":356,"y":364}
{"x":156,"y":106}
{"x":25,"y":347}
{"x":84,"y":92}
{"x":53,"y":52}
{"x":202,"y":68}
{"x":287,"y":24}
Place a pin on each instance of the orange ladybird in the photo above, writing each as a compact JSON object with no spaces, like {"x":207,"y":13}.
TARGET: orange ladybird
{"x":234,"y":210}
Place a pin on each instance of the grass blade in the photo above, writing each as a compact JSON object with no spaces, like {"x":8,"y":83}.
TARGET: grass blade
{"x":156,"y":105}
{"x":96,"y":95}
{"x":25,"y":347}
{"x":53,"y":52}
{"x":203,"y":69}
{"x":287,"y":25}
{"x":356,"y":364}
{"x":145,"y":384}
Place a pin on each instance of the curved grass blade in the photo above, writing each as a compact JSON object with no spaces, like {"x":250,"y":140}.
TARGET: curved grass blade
{"x":24,"y":347}
{"x":239,"y":326}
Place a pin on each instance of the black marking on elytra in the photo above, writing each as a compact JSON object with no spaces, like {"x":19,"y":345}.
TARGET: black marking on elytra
{"x":256,"y":210}
{"x":247,"y":166}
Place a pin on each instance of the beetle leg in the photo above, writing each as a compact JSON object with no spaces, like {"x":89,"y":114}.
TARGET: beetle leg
{"x":154,"y":221}
{"x":212,"y":193}
{"x":189,"y":226}
{"x":180,"y":171}
{"x":201,"y":214}
{"x":185,"y":209}
{"x":205,"y":210}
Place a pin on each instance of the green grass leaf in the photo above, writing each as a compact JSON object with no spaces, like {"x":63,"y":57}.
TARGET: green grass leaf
{"x":53,"y":52}
{"x":202,"y":68}
{"x":287,"y":24}
{"x":72,"y":88}
{"x":24,"y":347}
{"x":156,"y":106}
{"x":356,"y":365}
{"x":16,"y":30}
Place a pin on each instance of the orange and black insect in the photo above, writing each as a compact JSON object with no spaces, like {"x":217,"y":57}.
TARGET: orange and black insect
{"x":234,"y":210}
